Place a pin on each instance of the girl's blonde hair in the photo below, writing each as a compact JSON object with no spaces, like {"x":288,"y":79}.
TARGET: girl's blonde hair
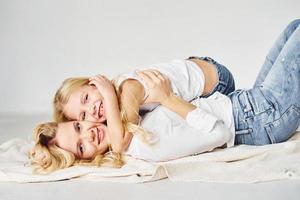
{"x":62,"y":96}
{"x":47,"y":157}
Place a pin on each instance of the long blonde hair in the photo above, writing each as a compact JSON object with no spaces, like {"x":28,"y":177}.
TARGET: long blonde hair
{"x":72,"y":84}
{"x":47,"y":157}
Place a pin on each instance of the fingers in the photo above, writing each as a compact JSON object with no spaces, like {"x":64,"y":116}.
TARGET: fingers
{"x":157,"y":74}
{"x":149,"y":81}
{"x":152,"y":75}
{"x":98,"y":79}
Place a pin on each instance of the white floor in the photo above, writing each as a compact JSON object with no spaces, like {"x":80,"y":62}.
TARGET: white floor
{"x":21,"y":126}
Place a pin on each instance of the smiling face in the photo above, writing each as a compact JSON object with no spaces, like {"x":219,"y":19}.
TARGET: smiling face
{"x":83,"y":139}
{"x":85,"y":103}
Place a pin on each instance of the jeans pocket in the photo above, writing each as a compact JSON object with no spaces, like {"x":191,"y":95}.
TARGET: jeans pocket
{"x":283,"y":128}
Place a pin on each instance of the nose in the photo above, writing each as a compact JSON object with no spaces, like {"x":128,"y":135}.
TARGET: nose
{"x":92,"y":110}
{"x":90,"y":135}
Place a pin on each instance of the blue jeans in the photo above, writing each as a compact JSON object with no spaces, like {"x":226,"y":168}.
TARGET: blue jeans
{"x":226,"y":83}
{"x":270,"y":111}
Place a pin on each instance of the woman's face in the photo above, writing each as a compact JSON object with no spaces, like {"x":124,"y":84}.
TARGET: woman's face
{"x":85,"y":103}
{"x":83,"y":139}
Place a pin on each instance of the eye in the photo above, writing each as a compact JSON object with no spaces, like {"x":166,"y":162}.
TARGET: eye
{"x":86,"y":97}
{"x":78,"y":127}
{"x":81,"y":148}
{"x":83,"y":116}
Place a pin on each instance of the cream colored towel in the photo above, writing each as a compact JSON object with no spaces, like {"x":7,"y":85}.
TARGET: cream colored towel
{"x":243,"y":164}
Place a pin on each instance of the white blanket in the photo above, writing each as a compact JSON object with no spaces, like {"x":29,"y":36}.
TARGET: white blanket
{"x":243,"y":164}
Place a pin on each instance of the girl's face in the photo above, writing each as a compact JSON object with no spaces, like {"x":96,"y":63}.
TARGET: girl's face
{"x":83,"y":139}
{"x":85,"y":104}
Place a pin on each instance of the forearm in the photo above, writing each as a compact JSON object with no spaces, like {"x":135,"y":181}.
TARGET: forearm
{"x":114,"y":124}
{"x":131,"y":96}
{"x":178,"y":105}
{"x":195,"y":116}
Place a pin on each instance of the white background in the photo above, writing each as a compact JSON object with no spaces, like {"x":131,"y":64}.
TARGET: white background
{"x":44,"y":42}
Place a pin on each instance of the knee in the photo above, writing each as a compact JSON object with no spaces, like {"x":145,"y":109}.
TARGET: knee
{"x":294,"y":24}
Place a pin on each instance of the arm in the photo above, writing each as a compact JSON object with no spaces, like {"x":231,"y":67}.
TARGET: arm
{"x":202,"y":132}
{"x":132,"y":96}
{"x":110,"y":103}
{"x":160,"y":92}
{"x":189,"y":141}
{"x":178,"y":105}
{"x":194,"y":116}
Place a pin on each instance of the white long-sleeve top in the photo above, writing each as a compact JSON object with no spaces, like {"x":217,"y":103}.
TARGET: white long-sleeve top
{"x":207,"y":127}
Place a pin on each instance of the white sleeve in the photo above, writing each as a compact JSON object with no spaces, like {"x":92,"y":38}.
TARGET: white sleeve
{"x":201,"y":120}
{"x":202,"y":132}
{"x":214,"y":133}
{"x":218,"y":136}
{"x":177,"y":147}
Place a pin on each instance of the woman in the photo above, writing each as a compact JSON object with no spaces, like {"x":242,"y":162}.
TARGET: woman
{"x":267,"y":113}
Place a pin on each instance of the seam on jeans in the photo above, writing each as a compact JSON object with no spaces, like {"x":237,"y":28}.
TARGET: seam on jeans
{"x":247,"y":107}
{"x":272,"y":103}
{"x":272,"y":125}
{"x":268,"y":129}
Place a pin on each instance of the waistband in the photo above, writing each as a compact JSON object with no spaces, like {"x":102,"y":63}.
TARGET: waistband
{"x":226,"y":82}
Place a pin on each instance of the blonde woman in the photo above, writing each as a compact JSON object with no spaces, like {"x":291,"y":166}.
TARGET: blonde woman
{"x":265,"y":114}
{"x":163,"y":135}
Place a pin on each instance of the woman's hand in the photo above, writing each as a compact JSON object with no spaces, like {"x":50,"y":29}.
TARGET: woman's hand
{"x":158,"y":84}
{"x":160,"y":92}
{"x":104,"y":86}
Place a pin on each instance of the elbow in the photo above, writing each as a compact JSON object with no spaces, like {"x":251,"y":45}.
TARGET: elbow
{"x":117,"y":148}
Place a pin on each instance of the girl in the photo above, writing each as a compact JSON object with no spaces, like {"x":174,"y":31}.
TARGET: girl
{"x":268,"y":113}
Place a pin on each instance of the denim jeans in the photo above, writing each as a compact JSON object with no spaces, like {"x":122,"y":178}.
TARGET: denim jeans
{"x":270,"y":111}
{"x":226,"y":83}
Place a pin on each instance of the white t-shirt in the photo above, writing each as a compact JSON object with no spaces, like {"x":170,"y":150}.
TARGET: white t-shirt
{"x":207,"y":127}
{"x":187,"y":79}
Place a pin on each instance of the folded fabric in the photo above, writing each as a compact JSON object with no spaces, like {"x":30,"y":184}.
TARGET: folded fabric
{"x":242,"y":164}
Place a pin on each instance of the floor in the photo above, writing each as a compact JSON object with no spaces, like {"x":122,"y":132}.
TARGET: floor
{"x":22,"y":125}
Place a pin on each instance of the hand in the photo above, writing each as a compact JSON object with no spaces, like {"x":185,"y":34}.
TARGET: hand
{"x":104,"y":86}
{"x":158,"y":84}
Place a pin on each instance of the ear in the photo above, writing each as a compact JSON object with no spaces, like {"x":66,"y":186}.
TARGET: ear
{"x":52,"y":142}
{"x":91,"y":84}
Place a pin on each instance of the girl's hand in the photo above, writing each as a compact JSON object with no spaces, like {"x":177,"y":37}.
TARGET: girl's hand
{"x":158,"y":84}
{"x":104,"y":86}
